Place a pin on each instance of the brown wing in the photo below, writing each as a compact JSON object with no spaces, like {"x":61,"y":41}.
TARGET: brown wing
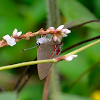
{"x":45,"y":50}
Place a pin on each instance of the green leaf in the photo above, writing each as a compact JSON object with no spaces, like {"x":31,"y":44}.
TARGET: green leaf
{"x":73,"y":10}
{"x":8,"y":96}
{"x":94,"y":78}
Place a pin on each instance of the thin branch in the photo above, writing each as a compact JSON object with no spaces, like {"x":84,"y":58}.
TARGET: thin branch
{"x":18,"y":82}
{"x":27,"y":78}
{"x":84,"y":24}
{"x":54,"y":83}
{"x":83,"y":48}
{"x":46,"y":87}
{"x":42,"y":32}
{"x":54,"y":60}
{"x":77,"y":44}
{"x":24,"y":64}
{"x":53,"y":20}
{"x":24,"y":72}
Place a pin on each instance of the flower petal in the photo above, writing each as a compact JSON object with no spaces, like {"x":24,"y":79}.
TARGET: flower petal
{"x":64,"y":35}
{"x":60,"y":28}
{"x":19,"y":33}
{"x":64,"y":30}
{"x":11,"y":41}
{"x":69,"y":58}
{"x":15,"y":32}
{"x":55,"y":38}
{"x":6,"y":37}
{"x":68,"y":31}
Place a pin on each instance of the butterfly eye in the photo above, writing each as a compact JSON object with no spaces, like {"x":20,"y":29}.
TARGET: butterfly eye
{"x":37,"y":43}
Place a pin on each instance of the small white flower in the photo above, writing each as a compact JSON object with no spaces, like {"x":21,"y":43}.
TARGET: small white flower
{"x":67,"y":31}
{"x":60,"y":27}
{"x":64,"y":35}
{"x":70,"y":58}
{"x":63,"y":32}
{"x":6,"y":37}
{"x":10,"y":41}
{"x":16,"y":33}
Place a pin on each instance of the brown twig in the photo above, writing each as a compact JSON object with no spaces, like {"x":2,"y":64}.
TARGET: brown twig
{"x":84,"y":24}
{"x":26,"y":80}
{"x":41,"y":32}
{"x":77,"y":44}
{"x":46,"y":87}
{"x":24,"y":72}
{"x":18,"y":82}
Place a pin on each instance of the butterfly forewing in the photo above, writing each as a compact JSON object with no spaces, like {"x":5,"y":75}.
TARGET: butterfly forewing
{"x":45,"y":51}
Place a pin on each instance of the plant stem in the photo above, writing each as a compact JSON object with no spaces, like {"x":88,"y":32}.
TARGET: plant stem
{"x":48,"y":60}
{"x":54,"y":79}
{"x":46,"y":87}
{"x":77,"y":44}
{"x":26,"y":64}
{"x":83,"y":48}
{"x":84,"y":24}
{"x":53,"y":14}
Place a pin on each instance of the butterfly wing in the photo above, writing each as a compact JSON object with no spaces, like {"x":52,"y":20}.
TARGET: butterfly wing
{"x":45,"y":51}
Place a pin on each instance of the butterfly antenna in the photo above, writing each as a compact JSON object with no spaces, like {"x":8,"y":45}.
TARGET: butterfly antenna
{"x":29,"y":48}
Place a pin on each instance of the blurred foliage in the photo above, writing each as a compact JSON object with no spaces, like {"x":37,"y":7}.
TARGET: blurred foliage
{"x":8,"y":96}
{"x":96,"y":95}
{"x":33,"y":92}
{"x":71,"y":97}
{"x":30,"y":15}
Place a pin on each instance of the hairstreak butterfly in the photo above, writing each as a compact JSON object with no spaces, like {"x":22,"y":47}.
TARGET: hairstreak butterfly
{"x":47,"y":49}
